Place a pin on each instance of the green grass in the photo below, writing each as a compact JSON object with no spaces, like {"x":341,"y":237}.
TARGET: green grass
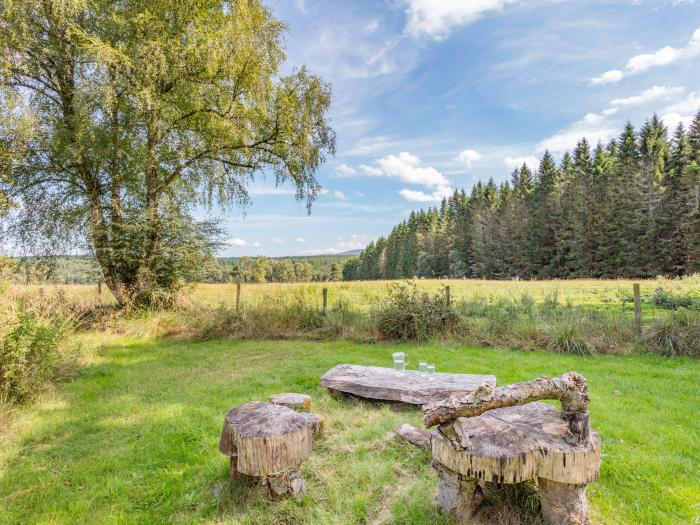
{"x":133,"y":440}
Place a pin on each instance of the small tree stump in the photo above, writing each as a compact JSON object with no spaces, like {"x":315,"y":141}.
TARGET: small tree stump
{"x":293,"y":401}
{"x":267,"y":443}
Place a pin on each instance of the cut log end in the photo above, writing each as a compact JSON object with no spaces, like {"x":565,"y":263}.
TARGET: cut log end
{"x":293,"y":401}
{"x":415,"y":436}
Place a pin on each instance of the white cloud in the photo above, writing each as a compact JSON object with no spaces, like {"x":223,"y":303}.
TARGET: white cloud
{"x":468,"y":157}
{"x":353,"y":241}
{"x":440,"y":193}
{"x":610,"y":111}
{"x":682,"y":112}
{"x":265,"y":189}
{"x":340,"y":195}
{"x":371,"y":26}
{"x":691,"y":104}
{"x":609,"y":77}
{"x":300,"y":239}
{"x":371,"y":170}
{"x":237,"y":242}
{"x":517,"y":162}
{"x":345,"y":171}
{"x":359,"y":194}
{"x":241,"y":243}
{"x":435,"y":19}
{"x":649,"y":95}
{"x":407,"y":168}
{"x":594,"y":127}
{"x":661,"y":57}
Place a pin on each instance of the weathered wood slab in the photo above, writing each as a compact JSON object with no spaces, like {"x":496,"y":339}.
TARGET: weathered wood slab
{"x":515,"y":444}
{"x":412,"y":387}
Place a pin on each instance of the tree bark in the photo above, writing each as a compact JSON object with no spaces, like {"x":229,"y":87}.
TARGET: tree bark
{"x":571,"y":389}
{"x":563,"y":503}
{"x":458,"y":495}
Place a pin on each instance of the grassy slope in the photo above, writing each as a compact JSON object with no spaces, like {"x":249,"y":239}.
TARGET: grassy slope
{"x":134,"y":439}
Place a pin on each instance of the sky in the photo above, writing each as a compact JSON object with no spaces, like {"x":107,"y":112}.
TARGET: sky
{"x":434,"y":95}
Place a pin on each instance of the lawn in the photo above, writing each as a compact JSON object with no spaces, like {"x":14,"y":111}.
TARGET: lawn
{"x":133,"y":439}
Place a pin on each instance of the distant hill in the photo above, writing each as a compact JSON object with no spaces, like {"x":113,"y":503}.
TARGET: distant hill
{"x":352,"y":252}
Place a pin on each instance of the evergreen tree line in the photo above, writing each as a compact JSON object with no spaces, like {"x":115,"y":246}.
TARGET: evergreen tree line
{"x":628,"y":208}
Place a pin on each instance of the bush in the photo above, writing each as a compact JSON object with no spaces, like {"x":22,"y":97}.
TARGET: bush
{"x":30,"y":356}
{"x":408,"y":314}
{"x":665,"y":299}
{"x":676,"y":335}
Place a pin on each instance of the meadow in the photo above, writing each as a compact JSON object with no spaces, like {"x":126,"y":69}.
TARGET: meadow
{"x":134,"y":438}
{"x":128,"y":433}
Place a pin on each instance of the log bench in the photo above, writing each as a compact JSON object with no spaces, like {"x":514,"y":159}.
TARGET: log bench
{"x":408,"y":386}
{"x":505,"y":436}
{"x":267,"y":443}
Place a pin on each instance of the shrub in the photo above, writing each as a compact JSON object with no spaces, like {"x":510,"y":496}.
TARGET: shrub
{"x":678,"y":334}
{"x":665,"y":299}
{"x":410,"y":314}
{"x":567,"y":337}
{"x":30,"y":356}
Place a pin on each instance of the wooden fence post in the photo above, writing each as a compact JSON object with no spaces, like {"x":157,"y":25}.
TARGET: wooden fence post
{"x":325,"y":301}
{"x":448,"y":299}
{"x":99,"y":287}
{"x":238,"y":295}
{"x":637,"y":309}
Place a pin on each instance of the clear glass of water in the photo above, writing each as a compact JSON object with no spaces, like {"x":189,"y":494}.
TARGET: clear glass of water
{"x":399,"y":365}
{"x":423,"y":367}
{"x":431,"y":368}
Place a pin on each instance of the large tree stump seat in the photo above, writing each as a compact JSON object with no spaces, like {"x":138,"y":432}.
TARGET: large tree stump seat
{"x":267,"y":443}
{"x":410,"y":387}
{"x":502,"y":436}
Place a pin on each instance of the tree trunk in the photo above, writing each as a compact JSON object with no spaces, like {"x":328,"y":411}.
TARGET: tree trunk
{"x":563,"y":503}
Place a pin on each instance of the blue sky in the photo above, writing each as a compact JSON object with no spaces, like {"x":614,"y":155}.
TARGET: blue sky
{"x":433,"y":95}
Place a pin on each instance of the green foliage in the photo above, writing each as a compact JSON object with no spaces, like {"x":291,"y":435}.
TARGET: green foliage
{"x":30,"y":355}
{"x":135,"y":114}
{"x":670,"y":301}
{"x":629,"y":208}
{"x":409,"y":314}
{"x":676,"y":335}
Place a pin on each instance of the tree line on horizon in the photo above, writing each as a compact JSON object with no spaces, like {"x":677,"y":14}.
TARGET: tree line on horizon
{"x":628,"y":208}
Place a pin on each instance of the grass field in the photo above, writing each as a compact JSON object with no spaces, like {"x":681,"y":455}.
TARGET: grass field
{"x":133,"y":439}
{"x":361,"y":295}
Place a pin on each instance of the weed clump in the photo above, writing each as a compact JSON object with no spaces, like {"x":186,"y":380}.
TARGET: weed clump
{"x":408,"y":314}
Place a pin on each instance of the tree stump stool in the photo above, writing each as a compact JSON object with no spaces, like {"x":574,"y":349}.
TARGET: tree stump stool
{"x":501,"y":436}
{"x":267,"y":443}
{"x":293,"y":401}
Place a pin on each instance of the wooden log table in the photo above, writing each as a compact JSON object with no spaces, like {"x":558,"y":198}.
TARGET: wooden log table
{"x":411,"y":387}
{"x":504,"y":436}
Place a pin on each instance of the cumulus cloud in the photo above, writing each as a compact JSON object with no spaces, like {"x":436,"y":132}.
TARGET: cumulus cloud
{"x":435,"y":20}
{"x":345,"y":171}
{"x":442,"y":192}
{"x":353,"y":241}
{"x":241,"y":243}
{"x":340,"y":195}
{"x":517,"y":162}
{"x":594,"y":127}
{"x":237,"y":242}
{"x":300,"y":239}
{"x":407,"y":168}
{"x":682,"y":112}
{"x":468,"y":157}
{"x":371,"y":170}
{"x":649,"y":95}
{"x":609,"y":77}
{"x":661,"y":57}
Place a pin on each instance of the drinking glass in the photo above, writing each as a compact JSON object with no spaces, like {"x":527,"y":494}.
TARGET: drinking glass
{"x":431,"y":368}
{"x":423,"y":367}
